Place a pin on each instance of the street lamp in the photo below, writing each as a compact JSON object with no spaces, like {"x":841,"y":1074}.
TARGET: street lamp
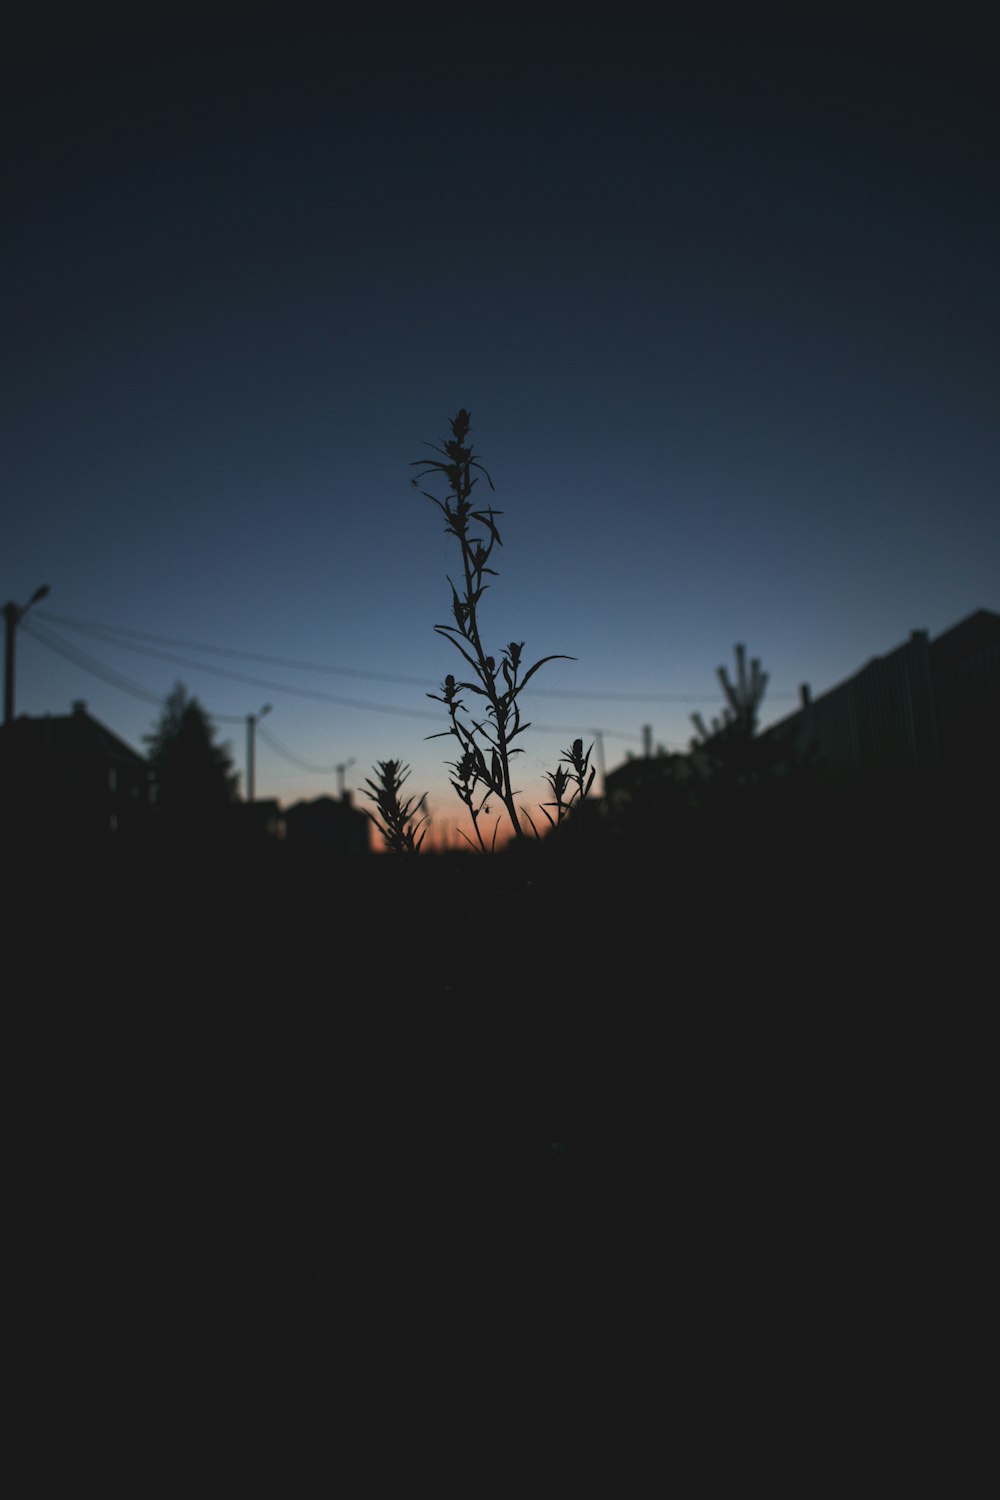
{"x":251,"y":726}
{"x":13,"y":614}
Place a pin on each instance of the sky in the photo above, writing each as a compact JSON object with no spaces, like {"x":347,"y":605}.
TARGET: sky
{"x":722,"y":299}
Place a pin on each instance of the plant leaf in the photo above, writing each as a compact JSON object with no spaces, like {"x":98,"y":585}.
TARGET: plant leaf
{"x":558,"y":656}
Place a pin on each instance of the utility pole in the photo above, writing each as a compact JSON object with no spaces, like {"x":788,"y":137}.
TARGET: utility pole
{"x":13,"y":614}
{"x":599,"y":738}
{"x":251,"y":727}
{"x":341,"y":769}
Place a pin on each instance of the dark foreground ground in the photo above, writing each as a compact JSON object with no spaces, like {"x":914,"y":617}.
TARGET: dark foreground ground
{"x":351,"y":1109}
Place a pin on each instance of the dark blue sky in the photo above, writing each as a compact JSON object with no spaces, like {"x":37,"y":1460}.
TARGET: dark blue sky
{"x":723,"y":304}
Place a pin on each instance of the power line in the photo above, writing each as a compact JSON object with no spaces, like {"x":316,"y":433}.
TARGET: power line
{"x":112,"y":635}
{"x":107,"y":674}
{"x":274,"y":687}
{"x":88,"y":664}
{"x":116,"y":679}
{"x":108,"y":633}
{"x":574,"y":729}
{"x":290,"y":755}
{"x":124,"y":684}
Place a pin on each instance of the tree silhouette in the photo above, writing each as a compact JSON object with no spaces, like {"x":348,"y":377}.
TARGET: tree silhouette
{"x":195,"y":779}
{"x":744,"y":697}
{"x":731,"y":759}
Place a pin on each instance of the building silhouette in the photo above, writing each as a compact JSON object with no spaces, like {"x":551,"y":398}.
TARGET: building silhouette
{"x":327,"y":826}
{"x":924,"y":718}
{"x":69,"y":783}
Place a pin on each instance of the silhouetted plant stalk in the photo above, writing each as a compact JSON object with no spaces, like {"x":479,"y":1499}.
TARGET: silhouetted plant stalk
{"x":398,"y":822}
{"x":482,"y":769}
{"x":570,"y":783}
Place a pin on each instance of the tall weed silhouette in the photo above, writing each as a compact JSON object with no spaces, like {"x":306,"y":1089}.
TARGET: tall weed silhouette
{"x":484,"y":708}
{"x":483,"y":701}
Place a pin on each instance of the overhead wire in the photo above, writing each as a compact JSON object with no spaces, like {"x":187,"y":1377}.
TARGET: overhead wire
{"x":108,"y":633}
{"x":296,"y":760}
{"x":83,"y":660}
{"x":116,"y":679}
{"x":88,"y":663}
{"x":276,"y":687}
{"x":121,"y":636}
{"x":113,"y":634}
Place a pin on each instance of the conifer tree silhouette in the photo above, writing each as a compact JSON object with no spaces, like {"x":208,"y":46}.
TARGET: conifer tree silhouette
{"x":195,"y":780}
{"x":743,"y":700}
